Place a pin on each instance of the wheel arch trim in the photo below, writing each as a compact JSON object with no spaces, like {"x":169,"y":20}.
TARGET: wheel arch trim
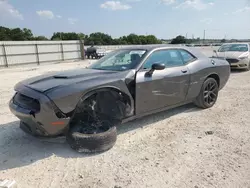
{"x":215,"y":76}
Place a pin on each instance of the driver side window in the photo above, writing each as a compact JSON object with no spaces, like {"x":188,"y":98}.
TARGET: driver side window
{"x":170,"y":58}
{"x":155,"y":57}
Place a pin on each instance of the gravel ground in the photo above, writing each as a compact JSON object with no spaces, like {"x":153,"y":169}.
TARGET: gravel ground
{"x":169,"y":149}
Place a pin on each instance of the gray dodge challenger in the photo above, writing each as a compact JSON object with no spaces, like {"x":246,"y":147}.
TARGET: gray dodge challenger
{"x":87,"y":104}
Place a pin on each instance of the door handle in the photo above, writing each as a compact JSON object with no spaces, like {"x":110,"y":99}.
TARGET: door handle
{"x":184,"y":71}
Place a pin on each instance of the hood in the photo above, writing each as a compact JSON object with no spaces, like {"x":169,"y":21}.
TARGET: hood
{"x":51,"y":81}
{"x":232,"y":55}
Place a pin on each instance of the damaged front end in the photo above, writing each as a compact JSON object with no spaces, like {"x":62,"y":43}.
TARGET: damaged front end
{"x":102,"y":108}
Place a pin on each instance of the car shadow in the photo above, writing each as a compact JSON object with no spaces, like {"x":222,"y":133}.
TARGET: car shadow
{"x":236,"y":71}
{"x":19,"y":149}
{"x":153,"y":118}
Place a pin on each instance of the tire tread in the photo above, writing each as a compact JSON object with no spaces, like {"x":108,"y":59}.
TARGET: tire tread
{"x":89,"y":143}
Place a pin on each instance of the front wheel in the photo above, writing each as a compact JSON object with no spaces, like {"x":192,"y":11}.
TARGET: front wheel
{"x":208,"y":94}
{"x":91,"y":139}
{"x":248,"y":67}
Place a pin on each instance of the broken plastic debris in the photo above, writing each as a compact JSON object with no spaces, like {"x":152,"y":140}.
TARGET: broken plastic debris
{"x":209,"y":132}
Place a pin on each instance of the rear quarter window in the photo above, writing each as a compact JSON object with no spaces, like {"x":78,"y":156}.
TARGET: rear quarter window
{"x":187,"y":57}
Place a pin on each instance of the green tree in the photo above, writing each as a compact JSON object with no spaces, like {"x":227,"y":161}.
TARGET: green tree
{"x":81,"y":36}
{"x":40,"y":38}
{"x":65,"y":36}
{"x":151,"y":39}
{"x":5,"y":34}
{"x":223,"y":41}
{"x":139,"y":39}
{"x":99,"y":38}
{"x":27,"y":33}
{"x":17,"y":34}
{"x":179,"y":40}
{"x":116,"y":41}
{"x":143,"y":39}
{"x":133,"y":39}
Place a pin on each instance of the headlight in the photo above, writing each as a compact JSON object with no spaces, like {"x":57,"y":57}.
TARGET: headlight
{"x":244,"y":57}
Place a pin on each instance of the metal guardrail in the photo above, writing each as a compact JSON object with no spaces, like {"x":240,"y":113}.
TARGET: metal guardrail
{"x":37,"y":52}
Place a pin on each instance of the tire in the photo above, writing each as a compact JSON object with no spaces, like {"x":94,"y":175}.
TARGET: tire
{"x":207,"y":102}
{"x":248,"y":68}
{"x":91,"y":143}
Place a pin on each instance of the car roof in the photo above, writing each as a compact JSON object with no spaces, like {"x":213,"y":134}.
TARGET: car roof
{"x":235,"y":43}
{"x":148,"y":47}
{"x":192,"y":50}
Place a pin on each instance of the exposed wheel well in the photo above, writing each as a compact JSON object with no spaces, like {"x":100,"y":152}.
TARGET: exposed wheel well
{"x":216,"y":77}
{"x":106,"y":102}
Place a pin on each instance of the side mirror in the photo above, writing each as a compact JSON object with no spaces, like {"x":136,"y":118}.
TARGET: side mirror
{"x":155,"y":66}
{"x":158,"y":66}
{"x":215,"y":51}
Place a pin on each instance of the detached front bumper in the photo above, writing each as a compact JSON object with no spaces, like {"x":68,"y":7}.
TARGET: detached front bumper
{"x":37,"y":121}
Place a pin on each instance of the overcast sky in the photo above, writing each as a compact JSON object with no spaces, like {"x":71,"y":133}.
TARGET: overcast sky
{"x":163,"y":18}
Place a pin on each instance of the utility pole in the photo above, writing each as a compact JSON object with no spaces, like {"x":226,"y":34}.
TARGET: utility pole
{"x":225,"y":36}
{"x":204,"y":36}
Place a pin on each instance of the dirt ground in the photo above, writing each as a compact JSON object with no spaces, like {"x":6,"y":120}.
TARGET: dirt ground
{"x":169,"y":149}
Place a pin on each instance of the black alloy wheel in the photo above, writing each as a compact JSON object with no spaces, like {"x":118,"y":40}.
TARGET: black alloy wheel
{"x":208,"y":94}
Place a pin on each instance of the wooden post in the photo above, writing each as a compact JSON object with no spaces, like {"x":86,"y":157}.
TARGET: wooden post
{"x":5,"y":56}
{"x":82,"y":49}
{"x":62,"y":53}
{"x":37,"y":54}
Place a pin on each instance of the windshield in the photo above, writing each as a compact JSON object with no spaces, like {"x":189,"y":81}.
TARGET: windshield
{"x":234,"y":48}
{"x":119,"y":60}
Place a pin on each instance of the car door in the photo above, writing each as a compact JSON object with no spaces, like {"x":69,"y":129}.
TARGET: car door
{"x":165,"y":87}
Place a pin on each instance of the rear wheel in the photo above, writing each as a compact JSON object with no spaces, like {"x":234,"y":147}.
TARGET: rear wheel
{"x":208,"y":94}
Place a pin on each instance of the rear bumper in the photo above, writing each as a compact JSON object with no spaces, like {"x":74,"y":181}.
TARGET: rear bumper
{"x":41,"y":123}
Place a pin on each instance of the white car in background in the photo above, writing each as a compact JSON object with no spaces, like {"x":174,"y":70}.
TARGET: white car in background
{"x":101,"y":52}
{"x":237,"y":54}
